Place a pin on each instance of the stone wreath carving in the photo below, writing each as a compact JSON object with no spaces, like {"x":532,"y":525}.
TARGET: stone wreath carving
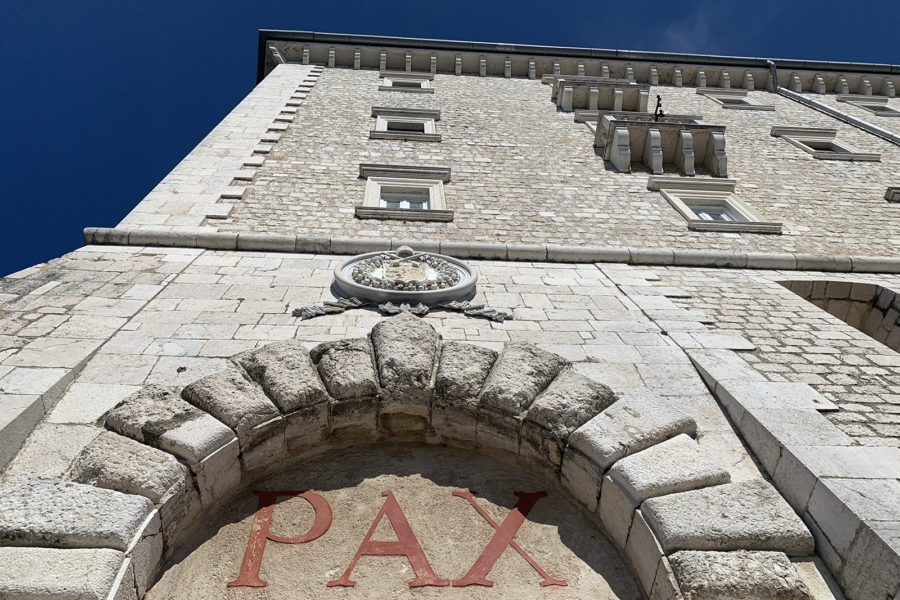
{"x":405,"y":270}
{"x":168,"y":457}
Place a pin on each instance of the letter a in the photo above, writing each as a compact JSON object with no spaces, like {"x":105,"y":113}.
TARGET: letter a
{"x":407,"y":545}
{"x":503,"y":537}
{"x":259,"y":533}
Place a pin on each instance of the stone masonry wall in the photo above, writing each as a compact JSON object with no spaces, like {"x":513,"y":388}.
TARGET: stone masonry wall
{"x":524,"y":173}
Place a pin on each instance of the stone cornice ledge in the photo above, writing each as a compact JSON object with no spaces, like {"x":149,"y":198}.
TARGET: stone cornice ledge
{"x":212,"y":240}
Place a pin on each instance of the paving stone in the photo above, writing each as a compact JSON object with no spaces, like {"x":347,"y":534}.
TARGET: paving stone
{"x":746,"y":515}
{"x":738,"y":396}
{"x":521,"y":372}
{"x":119,"y":463}
{"x":287,"y":375}
{"x":54,"y":352}
{"x":406,"y":349}
{"x":462,"y":371}
{"x":738,"y":575}
{"x":59,"y":574}
{"x":566,"y":404}
{"x":64,"y":514}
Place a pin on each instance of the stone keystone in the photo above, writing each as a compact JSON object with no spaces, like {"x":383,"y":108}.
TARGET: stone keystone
{"x":739,"y":575}
{"x":405,"y":351}
{"x":747,"y":515}
{"x":64,"y":514}
{"x":286,"y":373}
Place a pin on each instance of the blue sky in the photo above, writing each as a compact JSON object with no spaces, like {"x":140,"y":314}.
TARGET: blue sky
{"x":99,"y":100}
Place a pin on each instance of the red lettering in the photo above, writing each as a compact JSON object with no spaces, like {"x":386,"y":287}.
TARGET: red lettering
{"x":407,"y":545}
{"x":503,"y":537}
{"x":260,"y":533}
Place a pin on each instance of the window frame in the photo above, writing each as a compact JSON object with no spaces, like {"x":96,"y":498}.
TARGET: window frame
{"x":865,"y":102}
{"x":423,"y":81}
{"x":685,"y":196}
{"x":804,"y":137}
{"x":726,"y":97}
{"x":384,"y":116}
{"x":372,"y":208}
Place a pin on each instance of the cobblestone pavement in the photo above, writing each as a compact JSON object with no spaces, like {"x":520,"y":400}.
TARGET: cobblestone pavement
{"x":796,"y":341}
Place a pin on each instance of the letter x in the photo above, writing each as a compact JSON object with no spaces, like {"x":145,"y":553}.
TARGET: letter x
{"x":503,"y":537}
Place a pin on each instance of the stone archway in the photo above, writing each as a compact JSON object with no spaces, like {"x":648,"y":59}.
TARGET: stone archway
{"x":171,"y":456}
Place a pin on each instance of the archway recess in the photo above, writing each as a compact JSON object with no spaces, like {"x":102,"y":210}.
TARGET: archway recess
{"x":171,"y":458}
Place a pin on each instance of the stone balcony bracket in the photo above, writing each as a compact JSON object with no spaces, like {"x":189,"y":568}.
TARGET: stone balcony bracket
{"x":670,"y":140}
{"x":598,"y":93}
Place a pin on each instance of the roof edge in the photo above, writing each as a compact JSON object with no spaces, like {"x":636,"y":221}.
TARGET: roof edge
{"x":266,"y":35}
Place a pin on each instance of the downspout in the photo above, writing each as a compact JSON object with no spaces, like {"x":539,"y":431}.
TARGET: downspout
{"x":832,"y":112}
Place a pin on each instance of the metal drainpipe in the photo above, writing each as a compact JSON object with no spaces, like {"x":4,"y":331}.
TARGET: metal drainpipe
{"x":859,"y":123}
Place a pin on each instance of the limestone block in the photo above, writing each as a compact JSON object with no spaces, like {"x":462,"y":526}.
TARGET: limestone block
{"x":462,"y":371}
{"x":64,"y":514}
{"x":346,"y":368}
{"x":348,"y":372}
{"x":287,"y":375}
{"x":219,"y":474}
{"x":582,"y":477}
{"x":569,"y":402}
{"x":19,"y":415}
{"x":747,"y":515}
{"x":520,"y":373}
{"x":245,"y":408}
{"x":739,"y":575}
{"x":665,"y":586}
{"x":643,"y":553}
{"x":118,"y":463}
{"x":60,"y":574}
{"x":632,"y":424}
{"x":616,"y":512}
{"x":872,"y":569}
{"x":676,"y":465}
{"x":405,"y":352}
{"x":767,"y":431}
{"x":159,"y":417}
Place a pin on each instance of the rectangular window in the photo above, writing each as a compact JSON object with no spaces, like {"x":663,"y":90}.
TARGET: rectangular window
{"x":732,"y":98}
{"x":710,"y":205}
{"x":404,"y":193}
{"x":405,"y":198}
{"x":820,"y":143}
{"x":406,"y":81}
{"x":415,"y":125}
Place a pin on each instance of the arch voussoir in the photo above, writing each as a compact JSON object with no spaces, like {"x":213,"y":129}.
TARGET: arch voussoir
{"x":520,"y":373}
{"x":632,"y":461}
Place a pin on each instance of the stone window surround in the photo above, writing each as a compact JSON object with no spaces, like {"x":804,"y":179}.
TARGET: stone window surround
{"x":726,"y":99}
{"x":806,"y":138}
{"x":385,"y":115}
{"x":391,"y":78}
{"x":395,"y":176}
{"x":681,"y":194}
{"x":865,"y":102}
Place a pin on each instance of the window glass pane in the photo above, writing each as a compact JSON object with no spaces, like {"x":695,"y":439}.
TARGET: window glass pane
{"x":714,"y":213}
{"x":405,"y":126}
{"x":415,"y":198}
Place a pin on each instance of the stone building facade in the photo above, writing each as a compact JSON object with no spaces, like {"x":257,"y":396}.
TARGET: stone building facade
{"x":701,"y":370}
